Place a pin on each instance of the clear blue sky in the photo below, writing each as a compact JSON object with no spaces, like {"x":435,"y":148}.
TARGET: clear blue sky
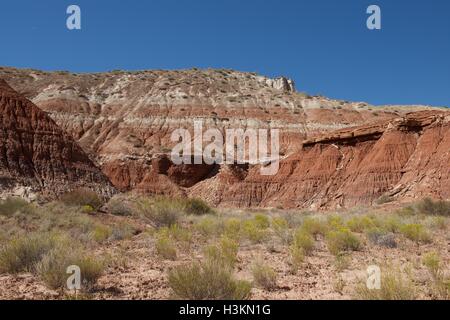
{"x":323,"y":45}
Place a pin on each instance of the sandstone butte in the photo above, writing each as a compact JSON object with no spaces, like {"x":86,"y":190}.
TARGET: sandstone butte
{"x":335,"y":153}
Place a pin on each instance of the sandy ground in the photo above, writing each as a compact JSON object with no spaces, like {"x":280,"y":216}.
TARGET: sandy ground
{"x":138,"y":273}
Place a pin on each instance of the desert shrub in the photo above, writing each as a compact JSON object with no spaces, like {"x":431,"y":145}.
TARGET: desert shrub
{"x":21,"y":254}
{"x":253,"y":231}
{"x":165,"y":246}
{"x":303,"y":240}
{"x":224,"y":252}
{"x":293,"y":219}
{"x":430,"y":207}
{"x":394,"y":286}
{"x":52,"y":269}
{"x":406,"y":211}
{"x":122,"y":231}
{"x":341,"y":240}
{"x":296,"y":258}
{"x":208,"y":280}
{"x":281,"y":229}
{"x":119,"y":208}
{"x":437,"y":222}
{"x":261,"y":221}
{"x":432,"y":261}
{"x":382,"y":238}
{"x":161,"y":212}
{"x":415,"y":232}
{"x":208,"y":226}
{"x":87,"y":209}
{"x":232,"y":228}
{"x":360,"y":223}
{"x":197,"y":207}
{"x":100,"y":233}
{"x":11,"y":205}
{"x":264,"y":276}
{"x":335,"y":222}
{"x":314,"y":226}
{"x":180,"y":235}
{"x":342,"y":261}
{"x":392,"y":224}
{"x":82,"y":197}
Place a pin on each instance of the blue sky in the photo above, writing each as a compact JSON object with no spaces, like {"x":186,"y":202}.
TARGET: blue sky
{"x":323,"y":45}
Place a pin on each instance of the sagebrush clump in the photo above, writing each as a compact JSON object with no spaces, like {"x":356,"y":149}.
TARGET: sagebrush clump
{"x":208,"y":280}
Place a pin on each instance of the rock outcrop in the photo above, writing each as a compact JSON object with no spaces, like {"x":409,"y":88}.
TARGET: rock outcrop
{"x":335,"y":153}
{"x":405,"y":159}
{"x":36,"y":156}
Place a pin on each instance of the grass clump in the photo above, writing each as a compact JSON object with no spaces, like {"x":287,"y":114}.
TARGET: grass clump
{"x":162,"y":212}
{"x":224,"y":252}
{"x":232,"y":228}
{"x":208,"y":280}
{"x":394,"y":286}
{"x":281,"y":228}
{"x":392,"y":224}
{"x":314,"y":226}
{"x":165,"y":246}
{"x":432,"y":261}
{"x":261,"y":221}
{"x":22,"y":253}
{"x":361,"y":223}
{"x":297,"y":257}
{"x":52,"y":269}
{"x":415,"y":232}
{"x":209,"y":226}
{"x":82,"y":197}
{"x":264,"y":276}
{"x":303,"y":240}
{"x":342,"y":240}
{"x":101,"y":233}
{"x":254,"y":231}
